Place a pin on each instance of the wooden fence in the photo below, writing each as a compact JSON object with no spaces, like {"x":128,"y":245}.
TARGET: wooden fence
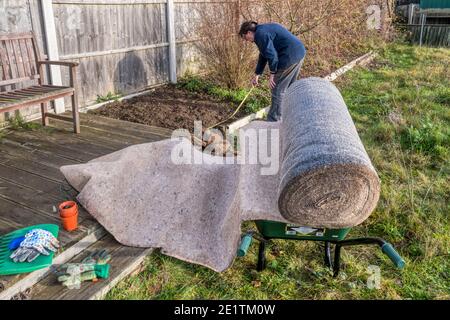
{"x":433,"y":35}
{"x":123,"y":46}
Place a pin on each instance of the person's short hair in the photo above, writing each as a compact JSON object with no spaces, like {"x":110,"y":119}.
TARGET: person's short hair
{"x":247,"y":26}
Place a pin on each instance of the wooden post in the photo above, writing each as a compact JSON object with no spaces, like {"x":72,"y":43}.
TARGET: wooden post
{"x":411,"y":9}
{"x":52,"y":48}
{"x":75,"y":112}
{"x":170,"y":18}
{"x":422,"y":26}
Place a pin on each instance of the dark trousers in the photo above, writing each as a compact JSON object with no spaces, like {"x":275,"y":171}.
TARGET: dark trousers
{"x":283,"y":79}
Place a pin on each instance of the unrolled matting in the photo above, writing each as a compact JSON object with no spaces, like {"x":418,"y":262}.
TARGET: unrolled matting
{"x":194,"y":211}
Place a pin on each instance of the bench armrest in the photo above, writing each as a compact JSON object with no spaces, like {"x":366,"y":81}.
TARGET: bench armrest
{"x":72,"y":65}
{"x":60,"y":63}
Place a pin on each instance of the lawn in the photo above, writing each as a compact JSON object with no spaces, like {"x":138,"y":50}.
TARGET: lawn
{"x":401,"y":107}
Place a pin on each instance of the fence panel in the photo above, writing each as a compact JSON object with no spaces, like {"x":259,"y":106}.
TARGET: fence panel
{"x":121,"y":45}
{"x":433,"y":35}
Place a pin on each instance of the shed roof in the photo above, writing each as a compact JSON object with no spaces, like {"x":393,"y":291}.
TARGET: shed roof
{"x":434,"y":4}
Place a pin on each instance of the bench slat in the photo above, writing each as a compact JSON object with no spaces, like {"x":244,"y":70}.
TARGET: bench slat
{"x":35,"y":90}
{"x":25,"y":57}
{"x":19,"y":63}
{"x":5,"y":65}
{"x":19,"y":104}
{"x":17,"y":80}
{"x":38,"y":90}
{"x":12,"y":36}
{"x":8,"y":62}
{"x":30,"y":51}
{"x":7,"y":99}
{"x":25,"y":95}
{"x":20,"y":94}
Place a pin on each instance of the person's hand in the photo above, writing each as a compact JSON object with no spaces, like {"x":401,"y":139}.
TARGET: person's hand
{"x":255,"y":80}
{"x":272,"y":83}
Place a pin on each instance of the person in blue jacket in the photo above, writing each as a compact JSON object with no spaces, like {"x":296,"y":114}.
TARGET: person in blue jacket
{"x":284,"y":53}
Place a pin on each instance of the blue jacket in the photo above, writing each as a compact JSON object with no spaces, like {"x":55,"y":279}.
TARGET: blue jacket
{"x":277,"y":46}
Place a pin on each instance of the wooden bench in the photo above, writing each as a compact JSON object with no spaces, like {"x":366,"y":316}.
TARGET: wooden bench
{"x":20,"y":62}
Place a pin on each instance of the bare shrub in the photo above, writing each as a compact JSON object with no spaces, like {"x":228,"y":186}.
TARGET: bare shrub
{"x":230,"y":60}
{"x":334,"y":32}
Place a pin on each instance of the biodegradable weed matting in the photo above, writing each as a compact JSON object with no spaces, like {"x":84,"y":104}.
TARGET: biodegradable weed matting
{"x":193,"y":211}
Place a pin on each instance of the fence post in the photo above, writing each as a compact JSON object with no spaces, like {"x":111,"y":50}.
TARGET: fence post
{"x":411,"y":13}
{"x":422,"y":26}
{"x":52,"y":48}
{"x":170,"y":18}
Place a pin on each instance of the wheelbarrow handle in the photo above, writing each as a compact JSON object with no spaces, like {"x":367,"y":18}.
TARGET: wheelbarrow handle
{"x":389,"y":250}
{"x":245,"y":244}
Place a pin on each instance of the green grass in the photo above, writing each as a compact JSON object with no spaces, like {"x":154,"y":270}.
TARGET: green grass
{"x":401,"y":107}
{"x":18,"y":123}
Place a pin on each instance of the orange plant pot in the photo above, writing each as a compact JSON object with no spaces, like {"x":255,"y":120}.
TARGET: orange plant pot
{"x":68,"y":212}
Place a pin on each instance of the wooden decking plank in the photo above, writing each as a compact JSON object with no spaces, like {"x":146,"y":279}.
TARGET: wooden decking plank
{"x":61,"y":151}
{"x":67,"y":142}
{"x":123,"y":261}
{"x":28,"y":198}
{"x":20,"y":217}
{"x":31,"y":167}
{"x":92,"y":144}
{"x":121,"y":135}
{"x":125,"y":127}
{"x":33,"y":154}
{"x":89,"y":137}
{"x":99,"y":136}
{"x":7,"y":226}
{"x":36,"y":182}
{"x":36,"y":201}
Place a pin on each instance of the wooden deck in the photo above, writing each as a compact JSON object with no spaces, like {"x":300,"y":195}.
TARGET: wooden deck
{"x":31,"y":187}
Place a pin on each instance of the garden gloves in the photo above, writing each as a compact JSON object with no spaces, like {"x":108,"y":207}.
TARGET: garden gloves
{"x":34,"y":243}
{"x":91,"y":268}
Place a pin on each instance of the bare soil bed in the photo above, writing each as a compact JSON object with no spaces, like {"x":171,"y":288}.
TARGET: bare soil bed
{"x":170,"y":107}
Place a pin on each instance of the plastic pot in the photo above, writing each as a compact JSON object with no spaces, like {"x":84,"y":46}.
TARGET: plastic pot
{"x":68,"y":212}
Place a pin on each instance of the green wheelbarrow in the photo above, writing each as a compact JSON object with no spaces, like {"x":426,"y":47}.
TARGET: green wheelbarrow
{"x":269,"y":230}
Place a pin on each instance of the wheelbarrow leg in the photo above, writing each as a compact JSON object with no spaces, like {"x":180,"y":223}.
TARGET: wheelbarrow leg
{"x":337,"y":260}
{"x":261,"y":256}
{"x":327,"y":258}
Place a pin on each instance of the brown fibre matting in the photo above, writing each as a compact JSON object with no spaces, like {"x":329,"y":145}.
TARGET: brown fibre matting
{"x":193,"y":211}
